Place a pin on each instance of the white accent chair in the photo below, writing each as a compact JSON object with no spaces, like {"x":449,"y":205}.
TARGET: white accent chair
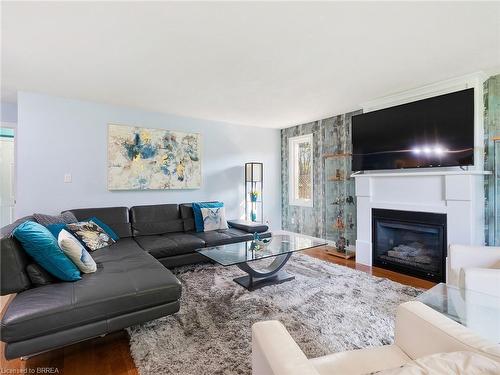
{"x":420,"y":331}
{"x":474,"y":268}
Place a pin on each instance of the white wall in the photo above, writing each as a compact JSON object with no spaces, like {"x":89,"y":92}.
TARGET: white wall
{"x":58,"y":136}
{"x":8,"y":112}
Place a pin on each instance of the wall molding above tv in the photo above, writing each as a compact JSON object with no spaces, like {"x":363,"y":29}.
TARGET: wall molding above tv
{"x":427,"y":172}
{"x":472,"y":80}
{"x":428,"y":91}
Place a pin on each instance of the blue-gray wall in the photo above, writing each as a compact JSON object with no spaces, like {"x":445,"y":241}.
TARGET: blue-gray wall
{"x":491,"y":130}
{"x":330,"y":136}
{"x":299,"y":219}
{"x":58,"y":136}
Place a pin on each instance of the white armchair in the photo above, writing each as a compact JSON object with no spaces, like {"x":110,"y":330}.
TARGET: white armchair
{"x":474,"y":268}
{"x":420,"y":331}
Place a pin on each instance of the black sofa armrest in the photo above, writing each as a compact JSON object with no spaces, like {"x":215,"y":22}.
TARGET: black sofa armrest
{"x":248,"y":226}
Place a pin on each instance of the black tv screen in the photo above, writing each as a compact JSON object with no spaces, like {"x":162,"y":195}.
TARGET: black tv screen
{"x":434,"y":132}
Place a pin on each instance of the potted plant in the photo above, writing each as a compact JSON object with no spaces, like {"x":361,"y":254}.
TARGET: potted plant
{"x":254,"y":195}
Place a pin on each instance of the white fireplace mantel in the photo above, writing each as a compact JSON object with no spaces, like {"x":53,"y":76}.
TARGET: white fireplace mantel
{"x":458,"y":194}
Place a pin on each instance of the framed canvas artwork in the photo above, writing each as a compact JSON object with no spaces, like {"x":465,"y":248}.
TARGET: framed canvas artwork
{"x":143,"y":159}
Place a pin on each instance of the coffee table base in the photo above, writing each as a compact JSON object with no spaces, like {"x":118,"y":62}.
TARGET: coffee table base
{"x":252,"y":283}
{"x":273,"y":274}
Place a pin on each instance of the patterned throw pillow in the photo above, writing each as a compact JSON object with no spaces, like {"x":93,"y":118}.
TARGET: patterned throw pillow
{"x":214,"y":218}
{"x":198,"y":217}
{"x":91,"y":235}
{"x":105,"y":227}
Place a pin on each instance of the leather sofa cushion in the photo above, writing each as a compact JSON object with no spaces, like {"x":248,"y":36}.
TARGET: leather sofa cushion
{"x":13,"y":262}
{"x":224,"y":236}
{"x":127,"y":279}
{"x":187,"y":216}
{"x":161,"y":246}
{"x":38,"y":275}
{"x":189,"y":225}
{"x":117,"y":218}
{"x":248,"y":226}
{"x":156,"y":219}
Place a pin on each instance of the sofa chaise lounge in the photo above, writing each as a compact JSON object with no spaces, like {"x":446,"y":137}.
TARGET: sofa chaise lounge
{"x":131,"y":284}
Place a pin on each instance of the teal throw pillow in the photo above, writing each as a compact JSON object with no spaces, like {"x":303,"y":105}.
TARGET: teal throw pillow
{"x":38,"y":242}
{"x":55,"y":229}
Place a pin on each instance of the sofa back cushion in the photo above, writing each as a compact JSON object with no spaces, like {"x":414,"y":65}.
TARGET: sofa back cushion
{"x":13,"y":263}
{"x":117,"y":218}
{"x":156,"y":219}
{"x":187,"y":216}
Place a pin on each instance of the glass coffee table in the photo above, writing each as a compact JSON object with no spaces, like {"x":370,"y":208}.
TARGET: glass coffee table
{"x":242,"y":254}
{"x":478,"y":311}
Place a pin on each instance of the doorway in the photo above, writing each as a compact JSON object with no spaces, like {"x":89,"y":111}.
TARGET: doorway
{"x":7,"y":175}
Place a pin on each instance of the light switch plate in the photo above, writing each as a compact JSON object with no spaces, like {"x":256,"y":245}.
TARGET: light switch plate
{"x":67,"y":178}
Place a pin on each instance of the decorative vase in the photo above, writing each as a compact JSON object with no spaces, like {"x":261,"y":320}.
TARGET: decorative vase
{"x":259,"y":243}
{"x":253,"y":215}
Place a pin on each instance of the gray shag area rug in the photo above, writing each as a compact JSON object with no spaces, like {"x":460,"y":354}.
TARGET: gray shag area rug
{"x":327,"y":308}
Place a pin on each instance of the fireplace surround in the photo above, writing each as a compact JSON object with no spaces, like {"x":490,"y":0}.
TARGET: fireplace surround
{"x":459,"y":195}
{"x":410,"y":242}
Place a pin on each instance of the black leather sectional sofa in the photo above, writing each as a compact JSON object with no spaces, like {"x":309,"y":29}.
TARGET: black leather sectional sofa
{"x":131,"y":285}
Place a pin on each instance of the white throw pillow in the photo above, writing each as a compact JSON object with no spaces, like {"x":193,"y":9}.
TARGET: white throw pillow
{"x":214,"y":218}
{"x":75,"y":251}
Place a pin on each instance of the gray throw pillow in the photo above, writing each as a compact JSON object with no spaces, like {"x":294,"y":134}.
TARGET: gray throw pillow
{"x":7,"y":230}
{"x":45,"y":220}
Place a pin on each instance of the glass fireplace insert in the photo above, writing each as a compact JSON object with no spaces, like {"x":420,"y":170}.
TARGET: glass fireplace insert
{"x":413,"y":243}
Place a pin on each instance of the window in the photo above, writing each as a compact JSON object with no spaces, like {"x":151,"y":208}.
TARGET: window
{"x":301,"y":170}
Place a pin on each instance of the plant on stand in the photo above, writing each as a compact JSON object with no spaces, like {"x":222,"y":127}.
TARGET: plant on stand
{"x":254,"y":195}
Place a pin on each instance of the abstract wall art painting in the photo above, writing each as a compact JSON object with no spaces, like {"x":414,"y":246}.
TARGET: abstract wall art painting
{"x":147,"y":159}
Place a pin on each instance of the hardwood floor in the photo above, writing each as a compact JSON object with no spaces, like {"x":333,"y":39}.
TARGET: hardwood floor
{"x":320,"y":253}
{"x":110,"y":355}
{"x":105,"y":355}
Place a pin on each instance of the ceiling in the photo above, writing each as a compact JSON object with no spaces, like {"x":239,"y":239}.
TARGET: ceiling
{"x":263,"y":63}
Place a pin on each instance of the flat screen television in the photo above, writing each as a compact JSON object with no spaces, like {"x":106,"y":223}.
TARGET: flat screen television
{"x":434,"y":132}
